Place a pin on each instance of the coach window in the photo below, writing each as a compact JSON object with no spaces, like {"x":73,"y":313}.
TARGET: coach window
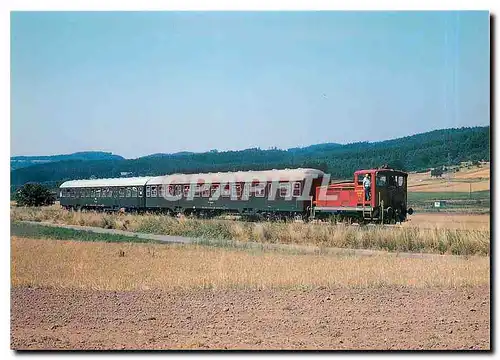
{"x":148,"y":191}
{"x":122,"y":192}
{"x":178,"y":190}
{"x":153,"y":191}
{"x":170,"y":189}
{"x":134,"y":192}
{"x":98,"y":193}
{"x":205,"y":192}
{"x":128,"y":191}
{"x":296,"y":188}
{"x":284,"y":189}
{"x":237,"y":188}
{"x":215,"y":188}
{"x":186,"y":190}
{"x":226,"y":192}
{"x":259,"y":190}
{"x":160,"y":190}
{"x":140,"y":192}
{"x":92,"y":193}
{"x":246,"y":190}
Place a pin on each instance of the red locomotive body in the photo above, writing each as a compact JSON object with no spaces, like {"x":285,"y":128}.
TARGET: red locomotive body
{"x":386,"y":203}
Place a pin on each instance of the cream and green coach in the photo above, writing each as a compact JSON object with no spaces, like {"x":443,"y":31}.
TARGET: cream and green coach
{"x":287,"y":192}
{"x":104,"y":194}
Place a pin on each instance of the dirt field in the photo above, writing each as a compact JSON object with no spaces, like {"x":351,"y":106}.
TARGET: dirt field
{"x":379,"y":318}
{"x":81,"y":295}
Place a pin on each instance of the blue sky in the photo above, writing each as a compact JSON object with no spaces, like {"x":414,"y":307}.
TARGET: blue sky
{"x":142,"y":83}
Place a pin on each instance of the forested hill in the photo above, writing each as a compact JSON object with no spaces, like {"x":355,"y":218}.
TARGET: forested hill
{"x":417,"y":152}
{"x":17,"y":162}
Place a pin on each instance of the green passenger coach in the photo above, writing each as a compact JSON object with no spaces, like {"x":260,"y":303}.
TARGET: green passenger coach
{"x":104,"y":194}
{"x":270,"y":193}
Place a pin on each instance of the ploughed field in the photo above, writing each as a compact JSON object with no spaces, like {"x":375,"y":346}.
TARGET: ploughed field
{"x":341,"y":318}
{"x":124,"y":295}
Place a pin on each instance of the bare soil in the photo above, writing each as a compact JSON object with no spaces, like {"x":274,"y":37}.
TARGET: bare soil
{"x":343,"y":318}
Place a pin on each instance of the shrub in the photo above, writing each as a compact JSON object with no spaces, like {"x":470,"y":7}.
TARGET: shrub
{"x":34,"y":195}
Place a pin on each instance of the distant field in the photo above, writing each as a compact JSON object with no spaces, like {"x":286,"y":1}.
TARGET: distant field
{"x":467,"y":190}
{"x":425,"y":196}
{"x":465,"y":180}
{"x":445,"y":220}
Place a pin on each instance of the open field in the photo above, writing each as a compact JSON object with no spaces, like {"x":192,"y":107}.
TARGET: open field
{"x":444,"y":220}
{"x":475,"y":179}
{"x":449,"y":238}
{"x":97,"y":295}
{"x":131,"y":266}
{"x":315,"y":319}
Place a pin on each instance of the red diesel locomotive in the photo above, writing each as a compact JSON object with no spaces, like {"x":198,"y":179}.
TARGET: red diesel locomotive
{"x":386,"y":203}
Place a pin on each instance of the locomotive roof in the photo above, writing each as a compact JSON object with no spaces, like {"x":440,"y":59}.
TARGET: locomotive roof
{"x":133,"y":181}
{"x":239,"y":176}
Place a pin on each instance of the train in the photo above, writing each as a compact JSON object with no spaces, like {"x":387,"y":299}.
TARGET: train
{"x":306,"y":194}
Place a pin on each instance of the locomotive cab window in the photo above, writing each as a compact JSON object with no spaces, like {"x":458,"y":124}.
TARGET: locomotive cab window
{"x":361,"y":177}
{"x":391,"y":180}
{"x":401,"y":181}
{"x":381,"y":180}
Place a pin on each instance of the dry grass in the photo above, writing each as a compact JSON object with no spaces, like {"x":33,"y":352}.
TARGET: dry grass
{"x":399,"y":238}
{"x":111,"y":266}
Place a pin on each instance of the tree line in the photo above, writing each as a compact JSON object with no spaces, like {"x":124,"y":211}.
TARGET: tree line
{"x":412,"y":153}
